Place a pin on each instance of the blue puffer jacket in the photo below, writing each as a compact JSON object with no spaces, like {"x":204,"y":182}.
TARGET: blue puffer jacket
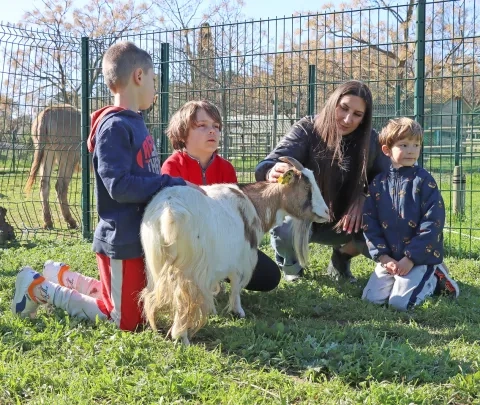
{"x":404,"y":215}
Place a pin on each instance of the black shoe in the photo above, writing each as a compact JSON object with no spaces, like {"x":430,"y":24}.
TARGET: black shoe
{"x":445,"y":284}
{"x":339,"y":267}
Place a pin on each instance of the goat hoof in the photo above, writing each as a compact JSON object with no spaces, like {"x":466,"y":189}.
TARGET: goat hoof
{"x":72,"y":224}
{"x":240,"y":312}
{"x":48,"y":225}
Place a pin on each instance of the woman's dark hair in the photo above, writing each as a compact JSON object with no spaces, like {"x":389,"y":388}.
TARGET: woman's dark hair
{"x":333,"y":163}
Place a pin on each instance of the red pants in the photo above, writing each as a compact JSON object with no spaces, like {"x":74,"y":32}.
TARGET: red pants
{"x":122,"y":281}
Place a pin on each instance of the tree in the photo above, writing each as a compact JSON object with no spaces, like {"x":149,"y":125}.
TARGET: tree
{"x":206,"y":40}
{"x":50,"y":58}
{"x":380,"y":38}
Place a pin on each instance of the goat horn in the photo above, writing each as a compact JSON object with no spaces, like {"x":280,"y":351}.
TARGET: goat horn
{"x":294,"y":162}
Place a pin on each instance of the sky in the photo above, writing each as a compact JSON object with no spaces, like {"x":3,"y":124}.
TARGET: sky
{"x":253,"y":8}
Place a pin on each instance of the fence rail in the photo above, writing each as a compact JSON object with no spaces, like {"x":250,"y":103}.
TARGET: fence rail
{"x":420,"y":59}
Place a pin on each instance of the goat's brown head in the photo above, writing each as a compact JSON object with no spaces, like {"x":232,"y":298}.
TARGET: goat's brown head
{"x":305,"y":200}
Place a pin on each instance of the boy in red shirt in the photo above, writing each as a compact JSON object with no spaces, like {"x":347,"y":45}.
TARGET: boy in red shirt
{"x":194,"y":132}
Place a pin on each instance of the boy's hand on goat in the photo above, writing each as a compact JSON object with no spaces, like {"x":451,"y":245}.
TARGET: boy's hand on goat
{"x":195,"y":187}
{"x":404,"y":266}
{"x":276,"y":171}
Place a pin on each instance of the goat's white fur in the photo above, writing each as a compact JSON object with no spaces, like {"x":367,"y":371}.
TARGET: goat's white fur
{"x":194,"y":241}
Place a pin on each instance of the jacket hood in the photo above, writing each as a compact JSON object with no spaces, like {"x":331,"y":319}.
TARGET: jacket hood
{"x":95,"y":119}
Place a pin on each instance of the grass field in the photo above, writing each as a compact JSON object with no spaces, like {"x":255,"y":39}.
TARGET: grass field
{"x":310,"y":342}
{"x":25,"y":210}
{"x":462,"y":233}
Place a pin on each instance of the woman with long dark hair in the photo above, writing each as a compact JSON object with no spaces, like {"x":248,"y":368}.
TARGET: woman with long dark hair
{"x":341,"y":148}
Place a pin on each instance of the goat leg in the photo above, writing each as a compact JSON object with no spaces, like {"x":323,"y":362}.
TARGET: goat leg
{"x":183,"y":336}
{"x":234,"y":304}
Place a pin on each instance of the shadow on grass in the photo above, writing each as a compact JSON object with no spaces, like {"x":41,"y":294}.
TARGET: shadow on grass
{"x":15,"y":244}
{"x":319,"y":330}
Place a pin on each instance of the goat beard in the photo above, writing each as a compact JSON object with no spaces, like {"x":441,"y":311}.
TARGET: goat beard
{"x":301,"y":237}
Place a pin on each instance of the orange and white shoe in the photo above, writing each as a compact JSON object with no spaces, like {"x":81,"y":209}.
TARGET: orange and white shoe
{"x":24,"y":302}
{"x":54,"y":272}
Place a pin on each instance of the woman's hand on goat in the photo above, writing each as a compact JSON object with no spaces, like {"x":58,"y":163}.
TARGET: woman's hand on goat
{"x":276,"y":171}
{"x":196,"y":187}
{"x":352,"y":220}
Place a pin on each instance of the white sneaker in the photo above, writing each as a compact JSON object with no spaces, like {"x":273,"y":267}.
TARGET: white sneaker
{"x":293,"y":277}
{"x":53,"y":271}
{"x":24,"y":302}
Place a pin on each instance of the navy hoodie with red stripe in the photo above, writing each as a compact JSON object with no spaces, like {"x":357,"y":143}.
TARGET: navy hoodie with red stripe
{"x":127,"y":176}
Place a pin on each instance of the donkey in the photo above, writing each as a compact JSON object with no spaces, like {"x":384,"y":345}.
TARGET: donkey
{"x":56,"y":139}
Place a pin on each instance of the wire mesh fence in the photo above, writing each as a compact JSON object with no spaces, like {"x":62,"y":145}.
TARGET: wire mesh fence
{"x":419,"y":59}
{"x":35,"y":138}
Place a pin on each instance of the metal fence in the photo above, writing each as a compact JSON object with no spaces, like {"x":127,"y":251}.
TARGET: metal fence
{"x":420,"y":59}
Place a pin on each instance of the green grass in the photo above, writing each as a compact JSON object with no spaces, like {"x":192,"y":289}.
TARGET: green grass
{"x":311,"y":342}
{"x":462,"y":235}
{"x":25,"y":210}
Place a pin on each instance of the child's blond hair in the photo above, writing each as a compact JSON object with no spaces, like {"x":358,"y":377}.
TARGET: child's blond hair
{"x":120,"y":60}
{"x":185,"y":118}
{"x":398,"y":129}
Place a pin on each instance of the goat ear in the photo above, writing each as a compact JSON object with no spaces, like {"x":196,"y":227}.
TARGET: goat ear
{"x":292,"y":161}
{"x":287,"y":177}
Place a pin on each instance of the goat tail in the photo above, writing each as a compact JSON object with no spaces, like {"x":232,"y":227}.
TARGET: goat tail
{"x":176,"y":271}
{"x":301,"y":237}
{"x":39,"y":128}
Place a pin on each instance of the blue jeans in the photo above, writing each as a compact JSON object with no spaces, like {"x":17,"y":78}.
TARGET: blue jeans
{"x":281,"y":238}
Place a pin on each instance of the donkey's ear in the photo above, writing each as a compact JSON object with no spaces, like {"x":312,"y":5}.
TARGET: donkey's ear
{"x":286,"y":177}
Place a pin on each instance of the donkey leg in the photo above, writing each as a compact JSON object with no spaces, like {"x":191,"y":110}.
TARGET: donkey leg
{"x":45,"y":172}
{"x":66,"y":167}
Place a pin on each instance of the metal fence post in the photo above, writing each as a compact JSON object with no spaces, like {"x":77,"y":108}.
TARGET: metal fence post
{"x":86,"y":225}
{"x":275,"y":120}
{"x":14,"y":141}
{"x":458,"y":132}
{"x":458,"y":179}
{"x":164,"y":92}
{"x":398,"y":92}
{"x":312,"y":82}
{"x":419,"y":100}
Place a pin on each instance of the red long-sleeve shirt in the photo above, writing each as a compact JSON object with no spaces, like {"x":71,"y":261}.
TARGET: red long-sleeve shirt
{"x":218,"y":170}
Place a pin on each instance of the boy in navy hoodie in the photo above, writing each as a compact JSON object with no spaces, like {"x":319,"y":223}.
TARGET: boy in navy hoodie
{"x":127,"y":175}
{"x":403,"y":221}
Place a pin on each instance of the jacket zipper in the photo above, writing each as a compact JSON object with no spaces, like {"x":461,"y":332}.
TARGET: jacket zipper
{"x":204,"y":170}
{"x":397,"y":202}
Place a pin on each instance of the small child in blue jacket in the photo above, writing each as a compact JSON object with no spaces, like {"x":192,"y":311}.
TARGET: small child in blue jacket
{"x":403,"y":221}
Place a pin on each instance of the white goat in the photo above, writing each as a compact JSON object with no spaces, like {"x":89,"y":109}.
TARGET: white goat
{"x":194,"y":241}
